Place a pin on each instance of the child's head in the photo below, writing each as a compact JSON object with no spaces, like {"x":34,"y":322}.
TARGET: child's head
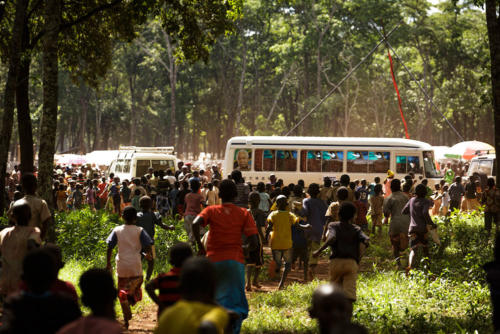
{"x":313,"y":190}
{"x":254,"y":200}
{"x":236,"y":176}
{"x":347,"y":211}
{"x":363,"y":182}
{"x":195,"y":185}
{"x":327,"y":182}
{"x":330,"y":307}
{"x":344,"y":180}
{"x":490,"y":182}
{"x":227,"y":191}
{"x":285,"y":191}
{"x":356,"y":182}
{"x":407,"y":187}
{"x":179,"y":253}
{"x":342,"y":194}
{"x":301,"y":183}
{"x":98,"y":290}
{"x":39,"y":270}
{"x":291,"y":186}
{"x":21,"y":212}
{"x":445,"y":187}
{"x":78,"y":187}
{"x":458,"y":180}
{"x":124,"y":184}
{"x":261,"y":187}
{"x":137,"y":192}
{"x":377,"y":179}
{"x":29,"y":183}
{"x":425,"y":182}
{"x":298,"y":191}
{"x":395,"y":185}
{"x":352,"y":185}
{"x":198,"y":278}
{"x":129,"y":215}
{"x":437,"y":186}
{"x":18,"y":195}
{"x":145,"y":203}
{"x":378,"y":189}
{"x":421,"y":190}
{"x":281,"y":202}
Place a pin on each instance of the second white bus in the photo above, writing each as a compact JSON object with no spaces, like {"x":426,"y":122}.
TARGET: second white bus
{"x":313,"y":158}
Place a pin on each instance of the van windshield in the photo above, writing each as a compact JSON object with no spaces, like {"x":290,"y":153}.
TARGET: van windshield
{"x":430,"y":165}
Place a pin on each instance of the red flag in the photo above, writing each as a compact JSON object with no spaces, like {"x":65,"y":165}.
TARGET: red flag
{"x":399,"y":97}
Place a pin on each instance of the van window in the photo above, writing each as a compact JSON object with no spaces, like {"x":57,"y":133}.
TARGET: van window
{"x":142,"y":167}
{"x":265,"y":160}
{"x":314,"y":161}
{"x":119,"y":166}
{"x":286,"y":161}
{"x":161,"y":164}
{"x":126,"y":166}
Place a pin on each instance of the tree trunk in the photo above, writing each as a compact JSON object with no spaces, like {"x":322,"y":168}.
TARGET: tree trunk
{"x":83,"y":123}
{"x":133,"y":108}
{"x":98,"y":118}
{"x":10,"y":92}
{"x":50,"y":98}
{"x":493,"y":24}
{"x":241,"y":86}
{"x":23,"y":116}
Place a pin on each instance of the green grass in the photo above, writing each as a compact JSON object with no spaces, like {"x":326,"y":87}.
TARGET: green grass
{"x":449,"y":296}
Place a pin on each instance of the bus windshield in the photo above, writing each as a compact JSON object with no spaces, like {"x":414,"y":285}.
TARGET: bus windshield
{"x":430,"y":165}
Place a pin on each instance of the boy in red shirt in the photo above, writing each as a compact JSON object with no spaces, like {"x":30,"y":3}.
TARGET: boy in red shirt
{"x":168,"y":283}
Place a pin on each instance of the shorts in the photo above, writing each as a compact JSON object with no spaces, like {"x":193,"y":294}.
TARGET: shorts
{"x":255,"y":257}
{"x":282,"y":255}
{"x":344,"y":272}
{"x":377,"y":220}
{"x":399,"y":241}
{"x":313,"y":246}
{"x":130,"y":286}
{"x":418,"y":239}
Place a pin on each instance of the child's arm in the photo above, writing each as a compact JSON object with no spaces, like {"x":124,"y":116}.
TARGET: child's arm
{"x":151,"y":290}
{"x":160,"y":223}
{"x":324,"y":246}
{"x":108,"y":257}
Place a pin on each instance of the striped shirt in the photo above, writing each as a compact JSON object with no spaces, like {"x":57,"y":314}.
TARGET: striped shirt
{"x":168,"y":285}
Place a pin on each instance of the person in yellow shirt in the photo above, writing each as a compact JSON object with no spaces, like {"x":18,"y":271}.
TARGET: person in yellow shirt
{"x":281,"y":222}
{"x":196,"y":311}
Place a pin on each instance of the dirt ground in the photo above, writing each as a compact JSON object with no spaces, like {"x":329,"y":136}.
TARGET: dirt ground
{"x":145,"y":321}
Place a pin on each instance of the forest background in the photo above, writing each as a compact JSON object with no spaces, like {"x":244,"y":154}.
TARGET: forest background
{"x":280,"y":60}
{"x":95,"y":74}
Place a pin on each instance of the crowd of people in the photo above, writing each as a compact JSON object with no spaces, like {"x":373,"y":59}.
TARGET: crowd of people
{"x":229,"y":223}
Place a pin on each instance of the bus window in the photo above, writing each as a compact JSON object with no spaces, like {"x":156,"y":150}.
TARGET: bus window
{"x":314,"y":161}
{"x":332,"y":161}
{"x":379,"y":162}
{"x":142,"y":167}
{"x":126,"y":166}
{"x":268,"y":161}
{"x":258,"y":160}
{"x":242,"y":159}
{"x":407,"y":164}
{"x":286,"y":161}
{"x":357,"y":162}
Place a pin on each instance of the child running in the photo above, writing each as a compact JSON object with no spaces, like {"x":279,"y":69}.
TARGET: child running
{"x":345,"y":240}
{"x":130,"y":239}
{"x":377,"y":208}
{"x":281,"y":222}
{"x":255,"y":260}
{"x":168,"y":283}
{"x":148,"y":221}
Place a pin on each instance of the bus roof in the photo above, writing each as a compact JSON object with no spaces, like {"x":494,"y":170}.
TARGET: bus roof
{"x":328,"y":141}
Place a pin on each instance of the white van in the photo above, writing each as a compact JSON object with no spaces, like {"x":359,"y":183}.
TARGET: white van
{"x":132,"y":161}
{"x":483,"y":165}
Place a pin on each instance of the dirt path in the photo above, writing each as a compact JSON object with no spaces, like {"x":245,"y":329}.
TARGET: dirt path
{"x":145,"y":321}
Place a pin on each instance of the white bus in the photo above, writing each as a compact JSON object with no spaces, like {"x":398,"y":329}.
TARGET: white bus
{"x":313,"y":158}
{"x":132,"y":161}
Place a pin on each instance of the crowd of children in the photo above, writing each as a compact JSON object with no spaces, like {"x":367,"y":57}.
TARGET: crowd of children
{"x":230,"y":222}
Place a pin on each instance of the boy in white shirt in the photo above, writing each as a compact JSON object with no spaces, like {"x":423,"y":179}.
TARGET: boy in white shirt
{"x":130,"y":239}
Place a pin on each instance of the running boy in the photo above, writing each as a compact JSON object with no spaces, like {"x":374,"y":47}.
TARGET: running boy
{"x":376,"y":208}
{"x":345,"y":240}
{"x":168,"y":283}
{"x":255,"y":260}
{"x":130,"y":239}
